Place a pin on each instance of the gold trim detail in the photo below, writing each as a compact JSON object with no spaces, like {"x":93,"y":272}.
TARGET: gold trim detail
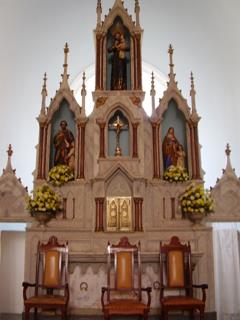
{"x":119,"y":214}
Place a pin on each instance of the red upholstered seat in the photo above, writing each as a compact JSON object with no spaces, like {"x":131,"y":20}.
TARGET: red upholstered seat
{"x":126,"y":307}
{"x":182,"y":301}
{"x":46,"y":299}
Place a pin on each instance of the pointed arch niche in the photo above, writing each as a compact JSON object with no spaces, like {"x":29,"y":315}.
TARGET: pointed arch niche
{"x":174,"y":118}
{"x":118,"y":141}
{"x":62,"y":114}
{"x":123,"y":59}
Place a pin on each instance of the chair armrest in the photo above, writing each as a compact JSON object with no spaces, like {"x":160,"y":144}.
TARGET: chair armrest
{"x":161,"y":287}
{"x":148,"y":290}
{"x":203,"y":287}
{"x":66,"y":291}
{"x":104,"y":289}
{"x":25,"y":286}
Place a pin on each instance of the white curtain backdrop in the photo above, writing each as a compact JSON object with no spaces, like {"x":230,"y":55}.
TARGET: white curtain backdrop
{"x":227,"y":270}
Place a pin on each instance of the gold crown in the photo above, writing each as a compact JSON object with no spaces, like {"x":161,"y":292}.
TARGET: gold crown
{"x":118,"y":28}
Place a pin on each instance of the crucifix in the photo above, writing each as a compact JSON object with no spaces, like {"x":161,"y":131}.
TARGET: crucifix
{"x":117,"y":125}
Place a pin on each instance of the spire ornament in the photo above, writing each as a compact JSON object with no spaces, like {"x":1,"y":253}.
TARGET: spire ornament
{"x":137,"y":12}
{"x":99,"y":13}
{"x":9,"y":168}
{"x":83,"y":93}
{"x":153,"y":93}
{"x":193,"y":94}
{"x":64,"y":84}
{"x":229,"y":165}
{"x":44,"y":93}
{"x":228,"y":150}
{"x":194,"y":116}
{"x":171,"y":65}
{"x":228,"y":171}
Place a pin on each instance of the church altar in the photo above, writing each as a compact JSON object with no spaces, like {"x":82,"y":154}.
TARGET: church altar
{"x":119,"y":158}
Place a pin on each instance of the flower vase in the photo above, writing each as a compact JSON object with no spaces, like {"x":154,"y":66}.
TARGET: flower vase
{"x":43,"y":218}
{"x":196,"y":218}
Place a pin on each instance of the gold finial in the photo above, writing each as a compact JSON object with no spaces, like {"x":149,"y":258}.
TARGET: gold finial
{"x":9,"y":151}
{"x":228,"y":150}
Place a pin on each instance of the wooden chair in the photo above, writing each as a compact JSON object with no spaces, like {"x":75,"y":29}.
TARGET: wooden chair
{"x":176,"y":274}
{"x":51,"y":275}
{"x":124,"y":290}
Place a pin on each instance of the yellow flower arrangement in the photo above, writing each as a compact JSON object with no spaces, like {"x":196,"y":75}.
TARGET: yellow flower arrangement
{"x":175,"y":174}
{"x":44,"y":200}
{"x":60,"y":174}
{"x":196,"y":199}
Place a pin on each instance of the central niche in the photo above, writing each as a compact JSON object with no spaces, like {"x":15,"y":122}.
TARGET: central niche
{"x":118,"y":135}
{"x":118,"y":57}
{"x":119,"y":215}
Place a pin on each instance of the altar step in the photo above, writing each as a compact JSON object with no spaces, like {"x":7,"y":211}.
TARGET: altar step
{"x":5,"y":316}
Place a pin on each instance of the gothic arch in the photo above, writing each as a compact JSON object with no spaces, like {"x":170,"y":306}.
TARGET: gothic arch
{"x":181,"y":104}
{"x":118,"y":10}
{"x":56,"y":103}
{"x":118,"y":170}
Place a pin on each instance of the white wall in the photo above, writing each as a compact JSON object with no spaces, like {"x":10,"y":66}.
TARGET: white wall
{"x":205,"y":35}
{"x":11,"y":271}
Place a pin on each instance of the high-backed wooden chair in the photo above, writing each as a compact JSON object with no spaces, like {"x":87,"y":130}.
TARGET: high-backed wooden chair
{"x":123,"y":294}
{"x":176,"y":275}
{"x":51,"y":284}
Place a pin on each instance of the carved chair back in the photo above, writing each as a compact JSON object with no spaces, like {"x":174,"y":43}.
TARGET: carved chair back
{"x":51,"y":266}
{"x":176,"y":266}
{"x":124,"y":268}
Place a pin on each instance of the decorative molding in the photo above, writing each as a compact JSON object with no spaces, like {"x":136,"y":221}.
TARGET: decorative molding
{"x":136,"y":101}
{"x":101,"y":101}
